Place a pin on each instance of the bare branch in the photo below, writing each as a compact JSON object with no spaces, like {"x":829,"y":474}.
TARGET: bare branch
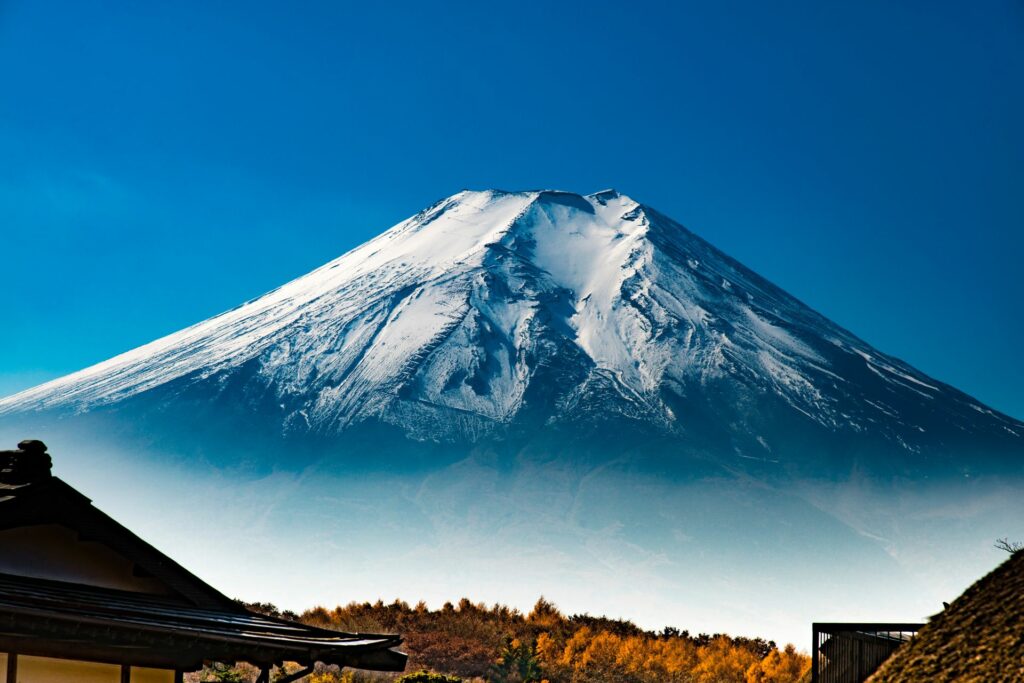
{"x":1009,"y":546}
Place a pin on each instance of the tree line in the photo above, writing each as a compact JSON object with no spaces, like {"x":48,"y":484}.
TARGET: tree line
{"x":471,"y":642}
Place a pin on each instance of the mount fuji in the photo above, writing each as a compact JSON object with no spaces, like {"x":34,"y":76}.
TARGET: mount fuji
{"x":524,"y":377}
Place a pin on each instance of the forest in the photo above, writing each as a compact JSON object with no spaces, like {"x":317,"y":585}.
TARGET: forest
{"x":472,"y":643}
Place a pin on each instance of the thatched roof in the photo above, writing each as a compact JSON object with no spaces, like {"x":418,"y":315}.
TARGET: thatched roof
{"x":979,"y":638}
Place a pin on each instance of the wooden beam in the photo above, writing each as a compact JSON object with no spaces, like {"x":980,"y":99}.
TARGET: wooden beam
{"x":186,"y":659}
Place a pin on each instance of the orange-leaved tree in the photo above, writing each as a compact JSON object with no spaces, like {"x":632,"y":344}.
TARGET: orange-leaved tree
{"x":780,"y":666}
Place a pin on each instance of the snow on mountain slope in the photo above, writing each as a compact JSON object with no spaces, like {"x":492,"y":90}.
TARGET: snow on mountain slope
{"x":494,"y":307}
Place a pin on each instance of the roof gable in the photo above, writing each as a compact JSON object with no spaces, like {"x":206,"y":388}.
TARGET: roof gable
{"x":60,"y":526}
{"x":53,"y":551}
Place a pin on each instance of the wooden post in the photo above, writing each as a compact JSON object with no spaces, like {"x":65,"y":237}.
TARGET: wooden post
{"x":12,"y":667}
{"x":814,"y":653}
{"x":126,"y":673}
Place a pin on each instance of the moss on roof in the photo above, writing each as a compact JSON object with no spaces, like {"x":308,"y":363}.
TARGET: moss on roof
{"x":979,"y":638}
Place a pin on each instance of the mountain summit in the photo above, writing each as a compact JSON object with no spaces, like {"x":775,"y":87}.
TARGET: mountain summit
{"x":500,"y":313}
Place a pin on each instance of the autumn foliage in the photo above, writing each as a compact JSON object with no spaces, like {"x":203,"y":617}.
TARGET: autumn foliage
{"x":474,"y":642}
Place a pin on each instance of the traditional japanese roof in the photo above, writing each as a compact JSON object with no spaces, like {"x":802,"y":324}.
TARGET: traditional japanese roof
{"x":52,"y":617}
{"x":51,"y":501}
{"x":979,"y":638}
{"x":181,"y":625}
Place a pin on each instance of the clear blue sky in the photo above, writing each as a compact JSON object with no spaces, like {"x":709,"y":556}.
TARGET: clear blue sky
{"x":161,"y":162}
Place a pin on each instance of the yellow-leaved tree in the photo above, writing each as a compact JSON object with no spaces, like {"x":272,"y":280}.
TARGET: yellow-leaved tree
{"x":722,"y":662}
{"x":780,"y":666}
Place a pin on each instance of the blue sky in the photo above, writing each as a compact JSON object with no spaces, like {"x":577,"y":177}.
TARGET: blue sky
{"x":161,"y":162}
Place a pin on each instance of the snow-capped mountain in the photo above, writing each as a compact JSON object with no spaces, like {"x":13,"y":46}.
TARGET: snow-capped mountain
{"x":516,"y":393}
{"x":493,"y":313}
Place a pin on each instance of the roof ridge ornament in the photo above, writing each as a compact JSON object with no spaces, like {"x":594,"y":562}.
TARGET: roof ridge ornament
{"x":26,"y":465}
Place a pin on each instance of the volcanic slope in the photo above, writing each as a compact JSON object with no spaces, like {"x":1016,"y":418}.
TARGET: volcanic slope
{"x":504,"y":315}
